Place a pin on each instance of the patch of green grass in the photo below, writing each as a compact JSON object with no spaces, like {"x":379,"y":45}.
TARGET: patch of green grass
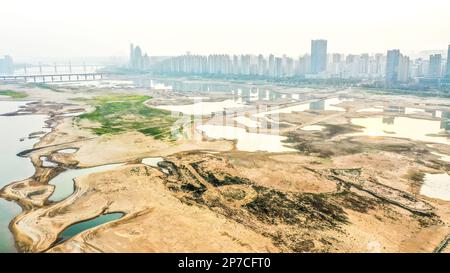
{"x":13,"y":94}
{"x":123,"y":113}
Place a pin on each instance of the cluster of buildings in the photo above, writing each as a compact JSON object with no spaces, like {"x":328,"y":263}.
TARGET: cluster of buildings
{"x":256,"y":65}
{"x":400,"y":69}
{"x":393,"y":67}
{"x":138,"y":61}
{"x":6,"y":65}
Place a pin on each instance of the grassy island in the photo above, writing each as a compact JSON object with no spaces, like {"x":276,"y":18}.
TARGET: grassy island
{"x":122,"y":113}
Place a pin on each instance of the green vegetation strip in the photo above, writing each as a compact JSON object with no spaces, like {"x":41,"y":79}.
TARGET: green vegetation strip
{"x":46,"y":86}
{"x":13,"y":94}
{"x":123,"y":113}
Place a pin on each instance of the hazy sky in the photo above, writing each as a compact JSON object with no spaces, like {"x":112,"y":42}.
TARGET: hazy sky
{"x":51,"y":28}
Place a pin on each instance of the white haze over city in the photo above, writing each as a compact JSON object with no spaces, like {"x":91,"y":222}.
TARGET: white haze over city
{"x":49,"y":28}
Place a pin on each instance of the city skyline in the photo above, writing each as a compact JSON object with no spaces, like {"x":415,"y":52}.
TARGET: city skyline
{"x":174,"y":27}
{"x":394,"y":66}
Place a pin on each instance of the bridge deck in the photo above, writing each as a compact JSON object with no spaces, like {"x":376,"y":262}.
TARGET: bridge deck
{"x":54,"y":77}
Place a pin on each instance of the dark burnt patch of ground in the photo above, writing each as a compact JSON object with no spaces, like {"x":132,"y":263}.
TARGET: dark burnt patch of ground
{"x":322,"y":144}
{"x":295,"y":222}
{"x":353,"y":201}
{"x":332,"y":130}
{"x":304,"y":210}
{"x":215,"y":180}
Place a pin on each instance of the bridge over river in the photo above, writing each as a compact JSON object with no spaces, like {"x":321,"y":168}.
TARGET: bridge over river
{"x":66,"y":77}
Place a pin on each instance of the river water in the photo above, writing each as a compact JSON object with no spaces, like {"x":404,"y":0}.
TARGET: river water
{"x":85,"y":225}
{"x":64,"y":182}
{"x":14,"y":168}
{"x":436,"y":186}
{"x":402,"y":127}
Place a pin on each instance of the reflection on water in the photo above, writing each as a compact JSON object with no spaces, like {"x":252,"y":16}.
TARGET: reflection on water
{"x":202,"y":108}
{"x":329,"y":104}
{"x":285,"y":110}
{"x":405,"y":111}
{"x":402,"y":127}
{"x":190,"y":86}
{"x":95,"y":83}
{"x":250,"y":142}
{"x":249,"y":95}
{"x":254,"y":127}
{"x":445,"y":122}
{"x":242,"y":98}
{"x":239,"y":92}
{"x":320,"y":105}
{"x":436,"y":186}
{"x":14,"y":168}
{"x":85,"y":225}
{"x":64,"y":182}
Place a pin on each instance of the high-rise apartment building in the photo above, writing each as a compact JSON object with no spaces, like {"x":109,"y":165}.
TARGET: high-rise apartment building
{"x":6,"y":65}
{"x":435,"y":66}
{"x":278,"y":67}
{"x":318,"y":56}
{"x":271,"y":65}
{"x":304,"y":65}
{"x":448,"y":62}
{"x":364,"y":64}
{"x":336,"y":63}
{"x":392,"y":63}
{"x":380,"y":63}
{"x":403,"y":69}
{"x":137,"y":60}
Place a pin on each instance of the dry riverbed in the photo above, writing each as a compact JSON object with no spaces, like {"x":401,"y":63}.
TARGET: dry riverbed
{"x":335,"y":192}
